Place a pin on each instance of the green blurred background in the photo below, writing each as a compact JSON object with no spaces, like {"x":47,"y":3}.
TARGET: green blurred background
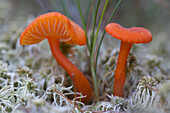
{"x":151,"y":14}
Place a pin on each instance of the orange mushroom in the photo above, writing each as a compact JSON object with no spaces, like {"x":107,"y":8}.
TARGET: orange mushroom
{"x":128,"y":37}
{"x":56,"y":27}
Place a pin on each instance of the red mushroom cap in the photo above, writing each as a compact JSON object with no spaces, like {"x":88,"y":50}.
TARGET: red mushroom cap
{"x":131,"y":35}
{"x":53,"y":25}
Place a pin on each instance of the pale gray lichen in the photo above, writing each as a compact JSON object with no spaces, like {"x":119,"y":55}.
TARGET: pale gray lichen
{"x":118,"y":104}
{"x":7,"y":98}
{"x":114,"y":104}
{"x":4,"y":76}
{"x":41,"y":106}
{"x":146,"y":94}
{"x":23,"y":92}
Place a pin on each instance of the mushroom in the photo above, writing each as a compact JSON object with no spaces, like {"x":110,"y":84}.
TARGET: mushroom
{"x":56,"y":27}
{"x":128,"y":37}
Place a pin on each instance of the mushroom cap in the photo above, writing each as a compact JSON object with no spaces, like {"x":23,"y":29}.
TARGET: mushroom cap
{"x":131,"y":35}
{"x":53,"y":25}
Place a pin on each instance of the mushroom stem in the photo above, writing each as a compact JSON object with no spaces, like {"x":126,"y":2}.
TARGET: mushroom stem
{"x":119,"y":77}
{"x":81,"y":82}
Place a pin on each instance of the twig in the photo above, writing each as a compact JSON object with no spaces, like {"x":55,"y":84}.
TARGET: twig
{"x":69,"y":101}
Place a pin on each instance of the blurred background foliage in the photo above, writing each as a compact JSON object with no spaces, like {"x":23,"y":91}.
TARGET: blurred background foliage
{"x":151,"y":14}
{"x":148,"y":13}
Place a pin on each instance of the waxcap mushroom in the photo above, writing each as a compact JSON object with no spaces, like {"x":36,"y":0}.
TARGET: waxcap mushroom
{"x":134,"y":35}
{"x":56,"y":25}
{"x":128,"y":37}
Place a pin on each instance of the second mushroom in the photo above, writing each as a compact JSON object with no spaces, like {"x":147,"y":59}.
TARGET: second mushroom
{"x":128,"y":37}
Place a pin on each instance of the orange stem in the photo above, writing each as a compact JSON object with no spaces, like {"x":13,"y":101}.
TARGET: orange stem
{"x":119,"y":77}
{"x":81,"y":82}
